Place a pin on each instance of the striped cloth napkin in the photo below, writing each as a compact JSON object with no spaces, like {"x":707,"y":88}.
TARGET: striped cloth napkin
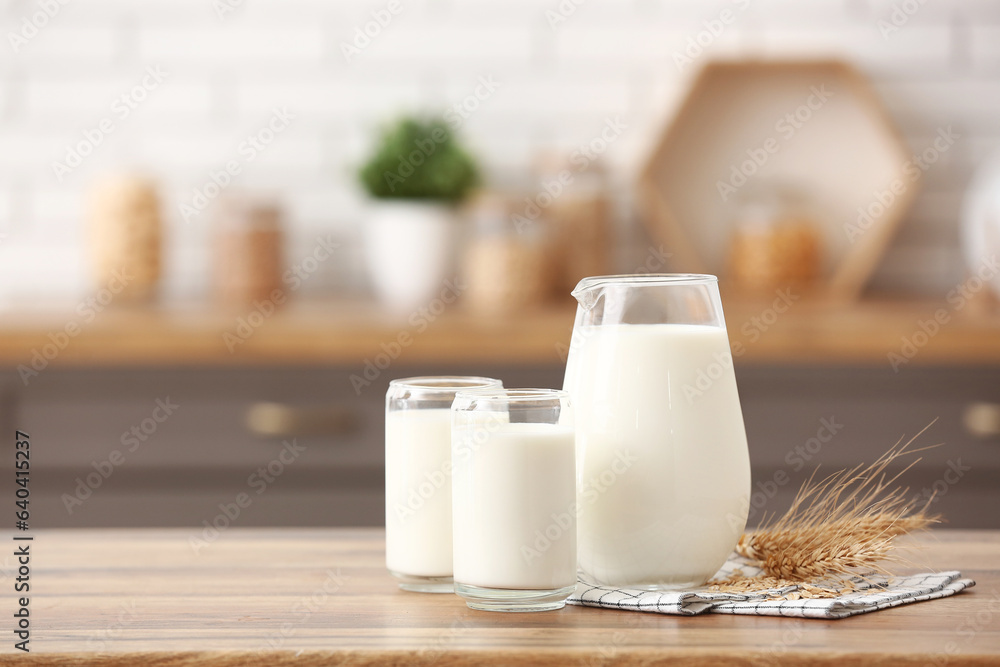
{"x":871,"y":595}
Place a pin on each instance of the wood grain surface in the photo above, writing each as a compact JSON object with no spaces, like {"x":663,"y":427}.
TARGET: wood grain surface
{"x":762,"y":331}
{"x":322,"y":597}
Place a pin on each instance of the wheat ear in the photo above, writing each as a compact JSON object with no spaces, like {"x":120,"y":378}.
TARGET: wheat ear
{"x":843,"y":525}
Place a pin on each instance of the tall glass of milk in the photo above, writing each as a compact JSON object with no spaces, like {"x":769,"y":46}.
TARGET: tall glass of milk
{"x":418,"y":548}
{"x":663,"y":471}
{"x":514,"y":499}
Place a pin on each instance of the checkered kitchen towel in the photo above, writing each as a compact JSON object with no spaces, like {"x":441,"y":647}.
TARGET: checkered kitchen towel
{"x":871,"y":595}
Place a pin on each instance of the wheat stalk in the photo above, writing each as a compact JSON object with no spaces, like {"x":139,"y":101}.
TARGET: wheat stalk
{"x":841,"y":526}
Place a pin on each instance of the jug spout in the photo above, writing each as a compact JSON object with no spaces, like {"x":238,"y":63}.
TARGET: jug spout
{"x":586,"y":296}
{"x":590,"y":290}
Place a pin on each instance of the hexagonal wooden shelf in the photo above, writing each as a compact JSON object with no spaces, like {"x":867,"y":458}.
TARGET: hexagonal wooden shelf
{"x":822,"y":129}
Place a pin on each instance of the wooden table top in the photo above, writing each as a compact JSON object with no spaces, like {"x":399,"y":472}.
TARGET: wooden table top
{"x":337,"y":332}
{"x":323,"y":597}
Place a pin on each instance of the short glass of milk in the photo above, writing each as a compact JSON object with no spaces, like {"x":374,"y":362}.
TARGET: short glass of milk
{"x":418,"y":548}
{"x":514,"y":498}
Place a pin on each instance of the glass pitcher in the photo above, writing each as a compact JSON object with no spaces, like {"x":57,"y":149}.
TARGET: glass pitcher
{"x":663,"y":471}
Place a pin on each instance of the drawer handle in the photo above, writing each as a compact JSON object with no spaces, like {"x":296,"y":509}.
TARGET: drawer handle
{"x":983,"y":420}
{"x":277,"y":420}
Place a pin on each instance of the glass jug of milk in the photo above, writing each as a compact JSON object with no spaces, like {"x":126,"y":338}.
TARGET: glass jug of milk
{"x":663,"y":471}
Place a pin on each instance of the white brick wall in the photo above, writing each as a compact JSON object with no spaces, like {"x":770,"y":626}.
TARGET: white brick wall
{"x":557,"y":86}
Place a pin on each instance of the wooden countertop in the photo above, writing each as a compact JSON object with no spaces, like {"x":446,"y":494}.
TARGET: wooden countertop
{"x":322,"y":597}
{"x":311,"y":333}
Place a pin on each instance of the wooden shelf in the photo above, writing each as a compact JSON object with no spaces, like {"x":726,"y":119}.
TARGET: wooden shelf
{"x":848,"y":148}
{"x":338,"y":332}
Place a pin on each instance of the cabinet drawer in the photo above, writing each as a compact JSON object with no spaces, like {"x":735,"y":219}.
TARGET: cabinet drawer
{"x":797,"y":418}
{"x":836,"y":418}
{"x":198,"y":419}
{"x":297,"y":497}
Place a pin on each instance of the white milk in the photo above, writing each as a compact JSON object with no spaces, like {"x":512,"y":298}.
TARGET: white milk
{"x":418,"y":492}
{"x":663,"y":468}
{"x":515,"y":493}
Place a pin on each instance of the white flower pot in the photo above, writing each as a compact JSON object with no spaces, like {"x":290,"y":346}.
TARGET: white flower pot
{"x":409,"y":247}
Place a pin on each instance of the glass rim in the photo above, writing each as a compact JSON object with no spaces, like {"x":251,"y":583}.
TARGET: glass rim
{"x":515,"y":395}
{"x":445,"y":383}
{"x":648,"y":279}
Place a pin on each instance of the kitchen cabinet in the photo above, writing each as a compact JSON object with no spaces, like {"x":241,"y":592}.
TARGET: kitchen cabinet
{"x":815,"y":379}
{"x":190,"y":467}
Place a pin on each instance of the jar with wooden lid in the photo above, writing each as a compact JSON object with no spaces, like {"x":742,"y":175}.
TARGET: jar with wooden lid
{"x":248,"y":253}
{"x":775,"y":241}
{"x":504,"y":261}
{"x":125,"y":232}
{"x":576,"y":205}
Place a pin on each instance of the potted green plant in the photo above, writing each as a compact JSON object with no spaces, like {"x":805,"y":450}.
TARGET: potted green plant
{"x":417,"y":175}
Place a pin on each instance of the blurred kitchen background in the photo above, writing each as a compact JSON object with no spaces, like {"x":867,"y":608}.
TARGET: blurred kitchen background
{"x":214,"y":151}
